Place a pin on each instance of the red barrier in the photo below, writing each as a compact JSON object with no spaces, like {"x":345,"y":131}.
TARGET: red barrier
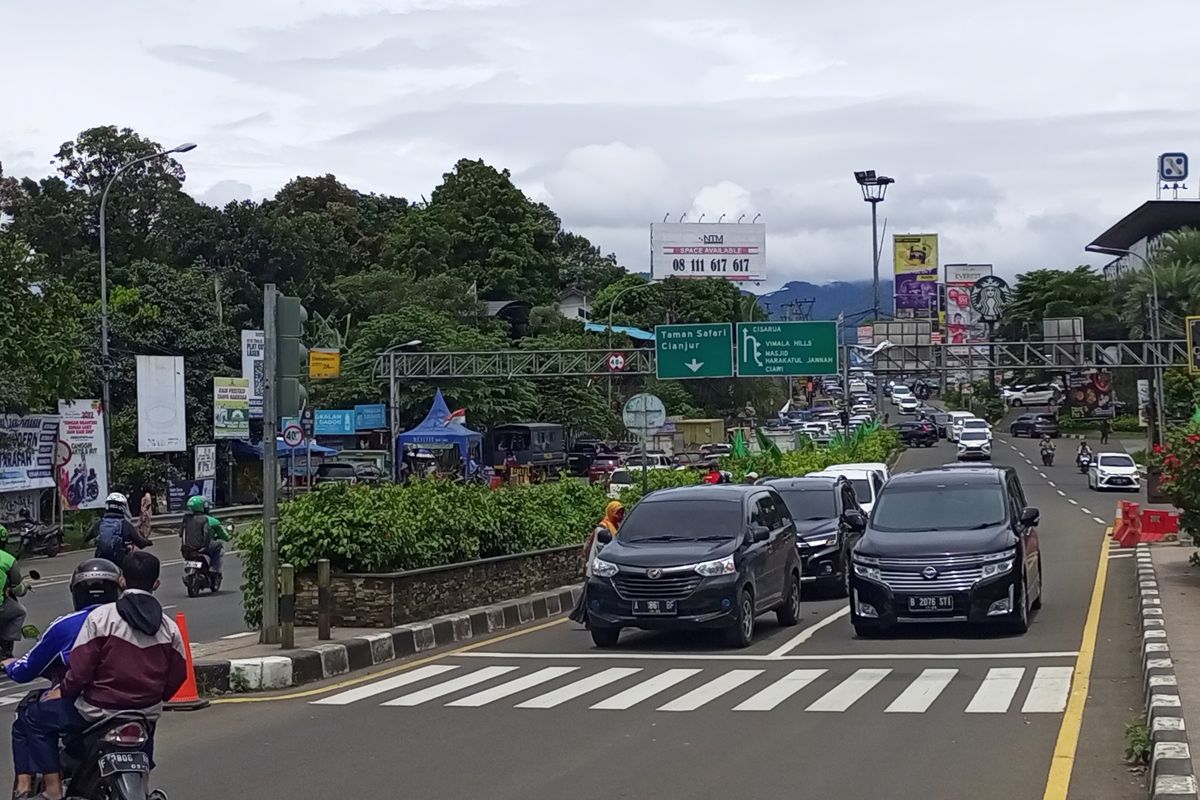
{"x":1120,"y":521}
{"x":1132,"y":533}
{"x":1157,"y":524}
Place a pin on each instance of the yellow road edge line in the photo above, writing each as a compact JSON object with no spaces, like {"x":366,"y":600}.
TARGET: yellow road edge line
{"x":388,"y":671}
{"x":1063,"y":761}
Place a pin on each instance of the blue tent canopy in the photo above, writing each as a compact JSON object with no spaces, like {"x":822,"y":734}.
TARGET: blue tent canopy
{"x":438,"y":429}
{"x":255,"y":449}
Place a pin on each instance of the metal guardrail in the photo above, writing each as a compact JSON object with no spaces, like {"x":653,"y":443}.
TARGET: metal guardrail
{"x":229,"y":514}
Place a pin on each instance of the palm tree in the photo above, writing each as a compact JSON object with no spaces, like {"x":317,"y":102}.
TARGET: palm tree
{"x":1175,"y":267}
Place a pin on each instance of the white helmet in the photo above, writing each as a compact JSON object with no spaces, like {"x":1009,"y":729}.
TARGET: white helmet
{"x":118,"y":500}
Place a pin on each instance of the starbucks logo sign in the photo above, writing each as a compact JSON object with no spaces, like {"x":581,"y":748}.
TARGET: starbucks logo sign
{"x":989,"y":296}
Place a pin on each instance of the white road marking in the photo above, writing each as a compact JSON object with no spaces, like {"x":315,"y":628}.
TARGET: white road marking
{"x":511,"y":687}
{"x":1085,"y":510}
{"x":1072,"y":501}
{"x":1048,"y":695}
{"x":997,"y":690}
{"x":812,"y":657}
{"x":645,"y":690}
{"x":241,"y":635}
{"x":919,"y":695}
{"x":1062,"y":493}
{"x":11,"y":699}
{"x":1120,"y":555}
{"x":449,"y":687}
{"x":1041,"y":475}
{"x":1051,"y":483}
{"x":849,"y":691}
{"x":580,"y":687}
{"x":385,"y":685}
{"x":780,"y":690}
{"x":711,"y":690}
{"x":1102,"y":522}
{"x":806,"y":634}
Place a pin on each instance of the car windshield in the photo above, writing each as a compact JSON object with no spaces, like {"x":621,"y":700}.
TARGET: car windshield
{"x":621,"y":476}
{"x":682,"y":520}
{"x":1116,"y":461}
{"x":973,"y":436}
{"x":810,"y":504}
{"x":938,"y":507}
{"x":974,"y":423}
{"x":335,"y":471}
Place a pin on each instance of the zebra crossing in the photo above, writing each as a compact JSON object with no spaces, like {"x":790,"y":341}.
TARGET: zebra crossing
{"x":999,"y":690}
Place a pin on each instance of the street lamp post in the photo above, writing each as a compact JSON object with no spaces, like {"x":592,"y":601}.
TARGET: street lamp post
{"x":1155,"y":331}
{"x":394,"y":402}
{"x":874,"y":189}
{"x":611,"y":307}
{"x":105,"y":366}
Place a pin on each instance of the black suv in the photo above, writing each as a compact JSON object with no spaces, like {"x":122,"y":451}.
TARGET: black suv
{"x":697,"y":557}
{"x":828,"y":523}
{"x":1034,"y":426}
{"x":917,"y":434}
{"x":957,"y":544}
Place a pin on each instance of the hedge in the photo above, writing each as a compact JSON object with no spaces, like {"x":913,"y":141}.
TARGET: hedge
{"x":429,"y":523}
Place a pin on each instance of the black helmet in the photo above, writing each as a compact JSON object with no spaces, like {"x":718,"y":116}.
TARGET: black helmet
{"x":94,"y":582}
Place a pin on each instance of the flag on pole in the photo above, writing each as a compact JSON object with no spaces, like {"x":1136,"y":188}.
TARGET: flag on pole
{"x":458,"y":415}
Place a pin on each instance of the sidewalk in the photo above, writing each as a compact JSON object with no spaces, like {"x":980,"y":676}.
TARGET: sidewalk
{"x":1179,"y":590}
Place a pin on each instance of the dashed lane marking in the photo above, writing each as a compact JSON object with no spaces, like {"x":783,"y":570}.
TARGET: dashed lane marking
{"x":1100,"y":521}
{"x":1072,"y":501}
{"x":1062,"y":493}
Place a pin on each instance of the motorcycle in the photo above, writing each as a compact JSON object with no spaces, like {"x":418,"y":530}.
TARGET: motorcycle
{"x":198,"y":574}
{"x":1084,"y":463}
{"x":1047,"y":457}
{"x":29,"y":538}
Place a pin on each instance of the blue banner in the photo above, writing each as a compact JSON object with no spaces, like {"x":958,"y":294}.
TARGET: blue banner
{"x":332,"y":422}
{"x":370,"y":417}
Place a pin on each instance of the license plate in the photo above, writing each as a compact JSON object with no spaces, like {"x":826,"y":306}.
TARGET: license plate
{"x":112,"y":763}
{"x":942,"y":602}
{"x":652,"y":608}
{"x":194,"y":564}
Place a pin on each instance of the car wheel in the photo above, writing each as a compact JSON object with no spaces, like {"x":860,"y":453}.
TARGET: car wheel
{"x":605,"y":637}
{"x":741,"y":634}
{"x":1020,"y":621}
{"x":1016,"y":402}
{"x":788,"y":613}
{"x":1037,"y":604}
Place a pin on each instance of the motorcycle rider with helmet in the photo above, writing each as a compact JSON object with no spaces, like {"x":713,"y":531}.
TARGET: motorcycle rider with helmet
{"x":115,"y":532}
{"x":93,"y":583}
{"x":12,"y":586}
{"x":200,"y":534}
{"x":1047,"y":450}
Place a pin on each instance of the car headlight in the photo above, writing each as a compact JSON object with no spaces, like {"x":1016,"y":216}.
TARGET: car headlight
{"x":818,"y":541}
{"x":604,"y":569}
{"x":864,"y":571}
{"x":997,"y":568}
{"x":711,"y":569}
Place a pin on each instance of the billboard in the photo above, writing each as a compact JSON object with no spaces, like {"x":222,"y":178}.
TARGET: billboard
{"x":27,"y":451}
{"x":252,"y":369}
{"x":231,"y":408}
{"x":83,"y":477}
{"x":726,"y":250}
{"x":915,"y":257}
{"x":1090,"y":395}
{"x":964,"y":325}
{"x":161,"y":415}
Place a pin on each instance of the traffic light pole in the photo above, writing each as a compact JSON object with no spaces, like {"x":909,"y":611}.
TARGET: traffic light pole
{"x":270,"y":558}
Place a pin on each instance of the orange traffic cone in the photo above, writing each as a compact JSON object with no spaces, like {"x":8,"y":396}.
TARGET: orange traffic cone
{"x":188,"y":697}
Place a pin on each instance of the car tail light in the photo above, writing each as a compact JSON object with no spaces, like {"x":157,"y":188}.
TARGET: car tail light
{"x":129,"y":735}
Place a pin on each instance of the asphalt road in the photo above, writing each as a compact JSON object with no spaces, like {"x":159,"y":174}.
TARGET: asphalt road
{"x":209,"y":616}
{"x":540,"y":714}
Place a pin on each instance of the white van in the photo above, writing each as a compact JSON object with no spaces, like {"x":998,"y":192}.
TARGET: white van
{"x":954,"y":423}
{"x":866,"y":483}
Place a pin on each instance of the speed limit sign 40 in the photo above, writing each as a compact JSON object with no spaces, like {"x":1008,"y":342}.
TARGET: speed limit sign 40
{"x":293,"y":435}
{"x":616,"y":362}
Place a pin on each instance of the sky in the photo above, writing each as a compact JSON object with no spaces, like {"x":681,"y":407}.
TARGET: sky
{"x":1017,"y":131}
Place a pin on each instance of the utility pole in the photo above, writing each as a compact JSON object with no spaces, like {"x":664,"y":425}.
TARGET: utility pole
{"x":874,"y":189}
{"x":270,"y":518}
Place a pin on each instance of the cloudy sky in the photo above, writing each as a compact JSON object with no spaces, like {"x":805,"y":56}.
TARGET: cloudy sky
{"x":1018,"y":130}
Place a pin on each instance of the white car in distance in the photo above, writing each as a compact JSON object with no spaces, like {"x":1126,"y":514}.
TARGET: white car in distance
{"x":908,"y":404}
{"x":866,"y":483}
{"x":1114,"y":471}
{"x":974,"y":444}
{"x":900,"y":391}
{"x":976,"y":424}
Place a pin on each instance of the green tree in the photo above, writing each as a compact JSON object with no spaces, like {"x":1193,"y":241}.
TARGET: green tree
{"x":1078,"y":292}
{"x":40,"y":333}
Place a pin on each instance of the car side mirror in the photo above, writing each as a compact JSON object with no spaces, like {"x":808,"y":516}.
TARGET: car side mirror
{"x":604,"y":537}
{"x":759,"y":533}
{"x":855,"y":519}
{"x":1030,"y":516}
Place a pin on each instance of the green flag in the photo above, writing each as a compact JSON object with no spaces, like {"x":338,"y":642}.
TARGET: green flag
{"x":739,"y":445}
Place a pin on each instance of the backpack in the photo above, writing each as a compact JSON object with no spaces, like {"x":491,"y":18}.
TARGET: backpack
{"x":196,"y":533}
{"x":110,"y":541}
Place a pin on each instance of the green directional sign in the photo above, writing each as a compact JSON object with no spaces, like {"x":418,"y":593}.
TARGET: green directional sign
{"x":774,"y":349}
{"x":694,"y":351}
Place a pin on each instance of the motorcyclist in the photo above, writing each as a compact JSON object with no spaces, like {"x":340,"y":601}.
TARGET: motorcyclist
{"x":1083,"y":452}
{"x":1047,"y":444}
{"x":12,"y":586}
{"x":115,"y":532}
{"x":201,"y":534}
{"x":93,"y":583}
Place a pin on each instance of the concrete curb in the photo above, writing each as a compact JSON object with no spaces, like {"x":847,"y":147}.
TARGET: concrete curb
{"x":264,"y":673}
{"x":1171,"y":772}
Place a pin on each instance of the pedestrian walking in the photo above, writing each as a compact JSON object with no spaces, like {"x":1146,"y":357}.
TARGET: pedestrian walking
{"x":1105,"y":430}
{"x":603,"y":533}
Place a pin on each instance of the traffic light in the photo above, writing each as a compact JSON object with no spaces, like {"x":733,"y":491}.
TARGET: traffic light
{"x":291,"y":356}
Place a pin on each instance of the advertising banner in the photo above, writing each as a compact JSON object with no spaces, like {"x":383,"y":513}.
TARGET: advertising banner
{"x":915,"y":258}
{"x":161,"y":411}
{"x":205,"y":461}
{"x":370,"y":417}
{"x":27,"y":451}
{"x":333,"y":422}
{"x":231,"y":408}
{"x":324,"y":362}
{"x":83,"y":476}
{"x":964,"y":325}
{"x":252,"y":369}
{"x":178,"y":493}
{"x":726,"y":250}
{"x":1090,"y":395}
{"x":1143,"y":402}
